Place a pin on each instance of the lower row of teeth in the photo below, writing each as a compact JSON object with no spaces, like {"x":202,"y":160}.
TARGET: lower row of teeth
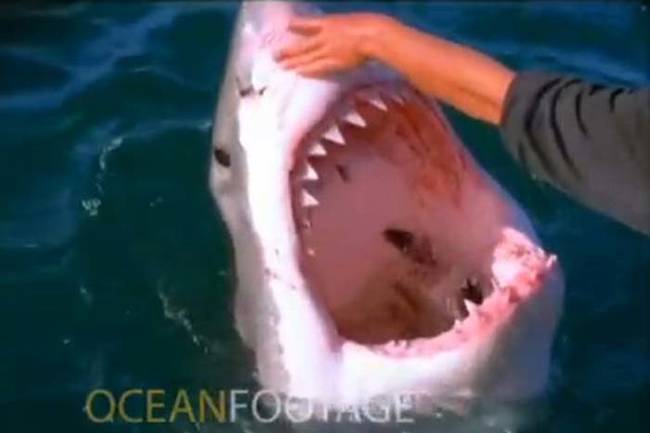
{"x":474,"y":311}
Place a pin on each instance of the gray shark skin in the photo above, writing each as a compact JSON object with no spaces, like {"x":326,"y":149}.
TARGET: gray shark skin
{"x":373,"y":255}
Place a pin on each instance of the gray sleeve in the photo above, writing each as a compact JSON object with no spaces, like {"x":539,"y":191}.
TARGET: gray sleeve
{"x":589,"y":140}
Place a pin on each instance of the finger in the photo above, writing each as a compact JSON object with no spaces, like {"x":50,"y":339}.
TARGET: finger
{"x":304,"y":60}
{"x":305,"y":26}
{"x":319,"y":68}
{"x":298,"y":48}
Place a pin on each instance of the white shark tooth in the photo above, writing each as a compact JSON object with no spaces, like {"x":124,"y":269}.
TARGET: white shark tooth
{"x":334,"y":134}
{"x":308,"y":200}
{"x":457,"y":324}
{"x":317,"y":149}
{"x":397,"y":98}
{"x":377,"y":102}
{"x":355,"y":118}
{"x":309,"y":173}
{"x":311,"y":252}
{"x":472,"y":308}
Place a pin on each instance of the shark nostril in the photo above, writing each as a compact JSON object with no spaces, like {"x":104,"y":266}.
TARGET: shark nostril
{"x":222,"y":157}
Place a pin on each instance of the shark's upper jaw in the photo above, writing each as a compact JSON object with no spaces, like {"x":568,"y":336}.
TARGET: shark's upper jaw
{"x":370,"y":192}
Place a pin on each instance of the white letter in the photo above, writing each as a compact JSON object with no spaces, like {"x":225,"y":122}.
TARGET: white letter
{"x":276,"y":403}
{"x":234,"y":405}
{"x":384,"y":410}
{"x":299,"y":406}
{"x":399,"y":406}
{"x":352,"y":410}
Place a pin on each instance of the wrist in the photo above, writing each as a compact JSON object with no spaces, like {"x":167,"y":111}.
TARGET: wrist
{"x":372,"y":33}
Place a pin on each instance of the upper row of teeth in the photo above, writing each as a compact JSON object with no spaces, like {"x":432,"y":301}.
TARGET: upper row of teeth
{"x":333,"y":134}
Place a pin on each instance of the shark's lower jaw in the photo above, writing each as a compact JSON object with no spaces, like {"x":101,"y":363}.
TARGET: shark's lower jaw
{"x":383,"y":202}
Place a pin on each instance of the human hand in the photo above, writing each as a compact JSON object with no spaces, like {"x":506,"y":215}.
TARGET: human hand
{"x":328,"y":44}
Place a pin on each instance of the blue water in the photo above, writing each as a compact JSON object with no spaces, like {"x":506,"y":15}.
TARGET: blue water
{"x":114,"y":263}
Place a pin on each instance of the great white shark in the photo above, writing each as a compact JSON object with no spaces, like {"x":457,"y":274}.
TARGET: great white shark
{"x":373,"y":255}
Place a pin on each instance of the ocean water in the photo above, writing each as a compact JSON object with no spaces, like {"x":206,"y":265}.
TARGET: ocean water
{"x":114,"y":264}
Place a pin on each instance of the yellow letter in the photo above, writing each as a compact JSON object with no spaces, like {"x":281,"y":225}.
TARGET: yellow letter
{"x":151,"y":405}
{"x":110,"y":416}
{"x":218,"y":414}
{"x":185,"y":407}
{"x":122,"y":410}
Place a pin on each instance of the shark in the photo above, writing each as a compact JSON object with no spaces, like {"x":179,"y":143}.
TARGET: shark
{"x":373,"y":255}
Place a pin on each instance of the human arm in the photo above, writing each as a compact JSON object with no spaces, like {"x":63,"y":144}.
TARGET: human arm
{"x":591,"y":141}
{"x":457,"y":75}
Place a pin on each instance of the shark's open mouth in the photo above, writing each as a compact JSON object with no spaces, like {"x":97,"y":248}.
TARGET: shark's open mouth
{"x":387,"y":242}
{"x":374,"y":255}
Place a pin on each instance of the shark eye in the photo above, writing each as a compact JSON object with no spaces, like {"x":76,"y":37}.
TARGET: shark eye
{"x":222,"y":157}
